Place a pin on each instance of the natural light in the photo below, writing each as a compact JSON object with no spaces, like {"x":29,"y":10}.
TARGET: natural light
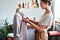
{"x":57,"y":10}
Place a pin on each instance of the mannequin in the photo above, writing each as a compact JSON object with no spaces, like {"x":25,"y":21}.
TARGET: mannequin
{"x":20,"y":27}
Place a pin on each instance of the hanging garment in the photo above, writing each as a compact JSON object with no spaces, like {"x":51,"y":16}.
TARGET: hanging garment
{"x":19,"y":27}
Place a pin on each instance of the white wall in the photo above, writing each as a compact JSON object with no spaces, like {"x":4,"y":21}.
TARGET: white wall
{"x":8,"y":7}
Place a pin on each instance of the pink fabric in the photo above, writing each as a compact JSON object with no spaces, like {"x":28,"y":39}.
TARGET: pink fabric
{"x":10,"y":38}
{"x":54,"y":33}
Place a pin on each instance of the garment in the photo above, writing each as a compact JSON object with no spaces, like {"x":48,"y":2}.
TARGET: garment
{"x":47,"y":21}
{"x":43,"y":35}
{"x":19,"y":27}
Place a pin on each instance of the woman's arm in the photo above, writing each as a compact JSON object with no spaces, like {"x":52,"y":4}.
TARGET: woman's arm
{"x":39,"y":28}
{"x":29,"y":26}
{"x":36,"y":22}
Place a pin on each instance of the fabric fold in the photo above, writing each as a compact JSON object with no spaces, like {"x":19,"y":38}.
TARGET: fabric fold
{"x":20,"y":27}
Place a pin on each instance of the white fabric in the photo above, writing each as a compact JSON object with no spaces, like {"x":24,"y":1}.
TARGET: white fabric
{"x":46,"y":20}
{"x":19,"y":27}
{"x":10,"y":35}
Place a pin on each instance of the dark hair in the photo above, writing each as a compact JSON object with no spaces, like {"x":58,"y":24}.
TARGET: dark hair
{"x":19,"y":5}
{"x":45,"y":1}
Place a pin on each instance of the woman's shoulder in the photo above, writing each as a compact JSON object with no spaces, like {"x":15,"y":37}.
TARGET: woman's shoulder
{"x":49,"y":15}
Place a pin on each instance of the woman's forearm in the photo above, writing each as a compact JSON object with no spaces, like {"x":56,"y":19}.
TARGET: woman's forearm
{"x":36,"y":22}
{"x":29,"y":26}
{"x":34,"y":25}
{"x":39,"y":28}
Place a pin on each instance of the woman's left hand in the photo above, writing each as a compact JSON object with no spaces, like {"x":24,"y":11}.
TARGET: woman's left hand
{"x":25,"y":20}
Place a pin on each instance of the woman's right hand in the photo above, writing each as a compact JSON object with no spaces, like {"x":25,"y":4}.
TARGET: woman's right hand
{"x":25,"y":20}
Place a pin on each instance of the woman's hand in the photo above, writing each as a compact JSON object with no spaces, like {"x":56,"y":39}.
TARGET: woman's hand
{"x":26,"y":20}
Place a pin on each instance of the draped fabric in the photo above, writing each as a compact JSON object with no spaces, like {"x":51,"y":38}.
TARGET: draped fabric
{"x":19,"y":27}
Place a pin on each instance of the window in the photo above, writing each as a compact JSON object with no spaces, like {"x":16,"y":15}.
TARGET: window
{"x":57,"y":10}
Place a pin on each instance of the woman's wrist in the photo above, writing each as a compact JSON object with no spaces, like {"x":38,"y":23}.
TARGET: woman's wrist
{"x":29,"y":21}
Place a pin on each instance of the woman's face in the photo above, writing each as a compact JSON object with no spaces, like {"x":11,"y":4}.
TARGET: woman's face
{"x":43,"y":5}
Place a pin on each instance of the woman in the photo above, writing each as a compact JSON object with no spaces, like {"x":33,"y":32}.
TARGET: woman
{"x":44,"y":23}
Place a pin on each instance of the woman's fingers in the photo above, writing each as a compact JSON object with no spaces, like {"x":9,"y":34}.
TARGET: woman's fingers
{"x":25,"y":19}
